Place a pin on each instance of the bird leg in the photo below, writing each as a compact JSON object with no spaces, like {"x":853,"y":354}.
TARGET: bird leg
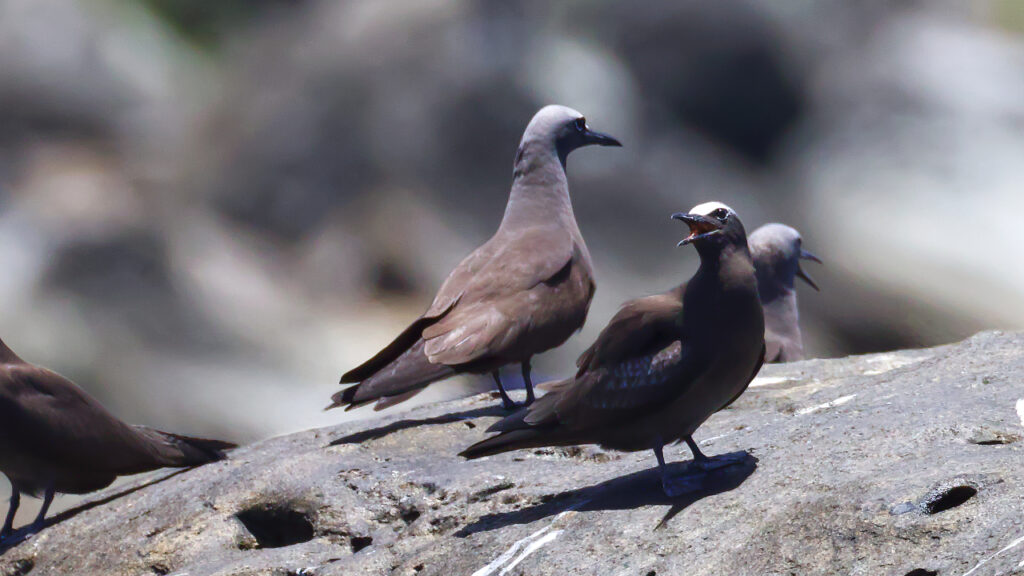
{"x":706,"y":464}
{"x":528,"y":383}
{"x":8,"y":528}
{"x":698,"y":456}
{"x":505,"y":400}
{"x":40,"y":520}
{"x":673,"y":486}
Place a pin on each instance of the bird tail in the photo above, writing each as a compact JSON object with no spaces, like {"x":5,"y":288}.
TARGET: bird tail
{"x":409,"y":372}
{"x":531,"y":427}
{"x":177,"y":451}
{"x":505,"y":442}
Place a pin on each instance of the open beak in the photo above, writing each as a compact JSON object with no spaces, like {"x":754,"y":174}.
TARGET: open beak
{"x":591,"y":137}
{"x":806,"y":255}
{"x":701,"y":227}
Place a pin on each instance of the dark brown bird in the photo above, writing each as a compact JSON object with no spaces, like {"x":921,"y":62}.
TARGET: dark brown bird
{"x":525,"y":291}
{"x":777,"y":250}
{"x":56,"y":438}
{"x":663,"y":365}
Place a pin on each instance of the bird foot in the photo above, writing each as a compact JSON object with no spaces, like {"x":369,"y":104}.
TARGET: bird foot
{"x":511,"y":406}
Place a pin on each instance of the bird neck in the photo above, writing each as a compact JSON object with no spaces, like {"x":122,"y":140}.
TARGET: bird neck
{"x":773,"y":289}
{"x":783,"y":306}
{"x":728,"y":266}
{"x":540,"y":189}
{"x":775,"y":281}
{"x":7,"y":356}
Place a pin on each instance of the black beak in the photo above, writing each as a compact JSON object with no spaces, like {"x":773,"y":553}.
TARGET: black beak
{"x":591,"y":137}
{"x":701,"y":227}
{"x":806,"y":255}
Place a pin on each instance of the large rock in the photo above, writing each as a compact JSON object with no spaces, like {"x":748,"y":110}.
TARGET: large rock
{"x":907,"y":463}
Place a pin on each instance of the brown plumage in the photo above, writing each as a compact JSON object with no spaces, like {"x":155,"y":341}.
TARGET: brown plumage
{"x":56,"y":438}
{"x":525,"y":291}
{"x":664,"y":363}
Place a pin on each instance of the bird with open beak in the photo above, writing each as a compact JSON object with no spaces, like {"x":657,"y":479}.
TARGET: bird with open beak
{"x":777,"y":251}
{"x":663,"y":365}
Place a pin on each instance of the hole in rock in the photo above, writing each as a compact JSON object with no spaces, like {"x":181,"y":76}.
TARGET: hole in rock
{"x":997,"y":440}
{"x":922,"y":572}
{"x":410,"y":515}
{"x":21,"y":567}
{"x":276,"y":526}
{"x":949,"y":498}
{"x":359,"y":542}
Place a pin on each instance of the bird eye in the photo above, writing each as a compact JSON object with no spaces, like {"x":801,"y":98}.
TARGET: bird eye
{"x":580,"y":124}
{"x":720,"y":213}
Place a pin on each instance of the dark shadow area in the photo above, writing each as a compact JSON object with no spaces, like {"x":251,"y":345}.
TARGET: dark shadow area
{"x":949,"y":498}
{"x":276,"y":526}
{"x":628,"y":492}
{"x":20,"y":535}
{"x":376,"y":433}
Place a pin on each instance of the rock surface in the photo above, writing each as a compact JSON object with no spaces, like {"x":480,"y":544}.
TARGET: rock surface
{"x":907,"y":463}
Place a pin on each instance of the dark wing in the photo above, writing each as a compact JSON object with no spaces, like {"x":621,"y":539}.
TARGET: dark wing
{"x":507,"y":295}
{"x":638,"y":362}
{"x":49,"y":417}
{"x":757,"y":368}
{"x":409,"y":337}
{"x":577,"y":410}
{"x":639,"y":327}
{"x":628,"y":389}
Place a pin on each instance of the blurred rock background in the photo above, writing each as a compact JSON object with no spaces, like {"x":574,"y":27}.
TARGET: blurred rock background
{"x":210,"y":210}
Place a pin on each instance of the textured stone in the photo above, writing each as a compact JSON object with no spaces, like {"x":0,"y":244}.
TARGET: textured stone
{"x":893,"y":464}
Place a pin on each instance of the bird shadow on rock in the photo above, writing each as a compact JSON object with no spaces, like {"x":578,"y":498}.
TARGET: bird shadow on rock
{"x":377,"y":433}
{"x":25,"y":533}
{"x":629,"y":492}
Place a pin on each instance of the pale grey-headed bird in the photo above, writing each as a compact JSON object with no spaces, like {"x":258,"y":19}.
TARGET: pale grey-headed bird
{"x":777,"y":250}
{"x":56,"y":438}
{"x":663,"y":365}
{"x":523,"y":292}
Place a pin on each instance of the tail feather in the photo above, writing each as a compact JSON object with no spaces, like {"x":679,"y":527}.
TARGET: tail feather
{"x":407,"y":373}
{"x":407,"y":339}
{"x":177,"y":451}
{"x":388,"y":401}
{"x":532,"y":426}
{"x":505,"y":442}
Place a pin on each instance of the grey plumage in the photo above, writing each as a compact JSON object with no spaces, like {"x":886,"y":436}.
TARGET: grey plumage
{"x":777,"y":250}
{"x":664,"y":363}
{"x":55,"y":438}
{"x":525,"y":291}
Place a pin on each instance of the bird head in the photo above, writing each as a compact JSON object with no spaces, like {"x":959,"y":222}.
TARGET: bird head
{"x":564,"y":129}
{"x":777,"y":251}
{"x":711,"y":224}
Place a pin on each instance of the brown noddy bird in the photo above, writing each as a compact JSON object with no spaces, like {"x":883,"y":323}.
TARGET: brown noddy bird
{"x":777,"y":250}
{"x":663,"y":365}
{"x":56,"y":438}
{"x":524,"y":291}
